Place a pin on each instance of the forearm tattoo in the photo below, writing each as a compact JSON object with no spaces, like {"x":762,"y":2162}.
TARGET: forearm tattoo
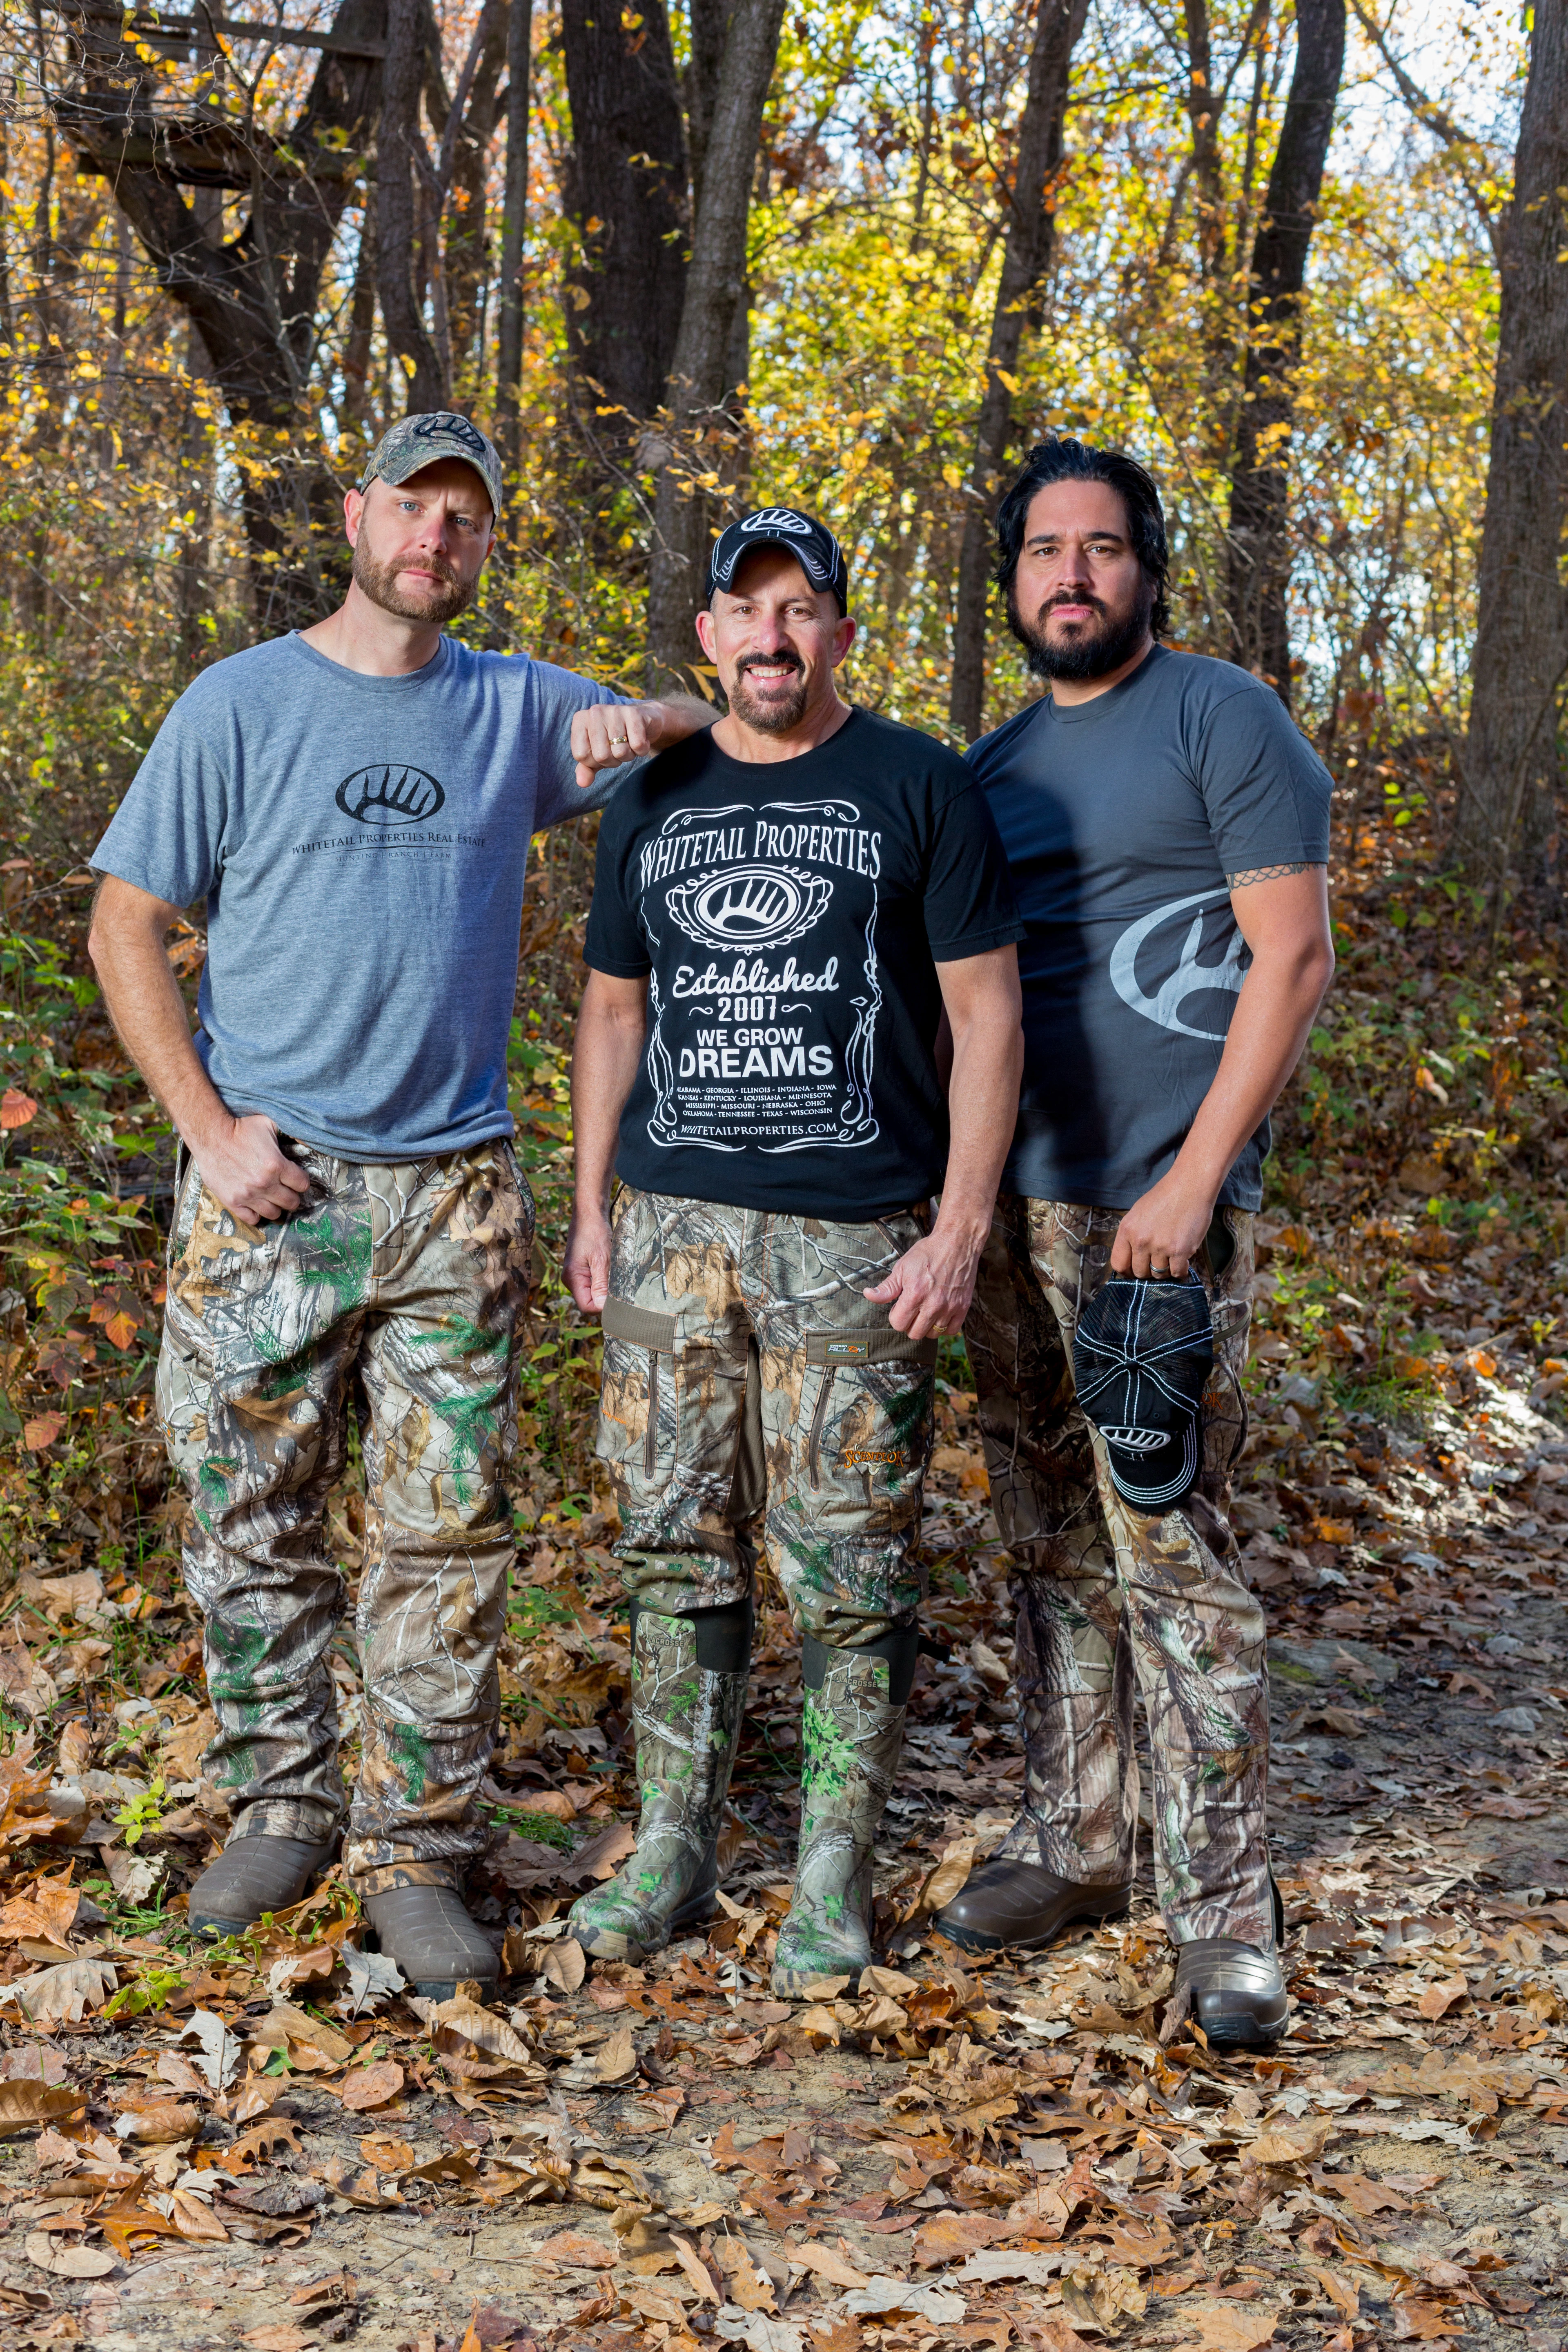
{"x":1267,"y":873}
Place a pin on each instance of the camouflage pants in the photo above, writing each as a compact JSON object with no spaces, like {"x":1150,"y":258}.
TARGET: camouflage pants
{"x":409,"y":1283}
{"x":750,"y":1391}
{"x":1105,"y":1594}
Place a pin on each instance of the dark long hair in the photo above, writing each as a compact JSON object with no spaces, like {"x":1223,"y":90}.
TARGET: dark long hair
{"x":1060,"y":460}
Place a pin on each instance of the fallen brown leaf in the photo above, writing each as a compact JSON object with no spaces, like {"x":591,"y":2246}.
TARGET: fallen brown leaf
{"x":66,"y":2262}
{"x":371,"y":2086}
{"x":565,"y":1964}
{"x":1214,"y":2326}
{"x":580,"y":2252}
{"x":24,"y":2104}
{"x":1441,"y":1994}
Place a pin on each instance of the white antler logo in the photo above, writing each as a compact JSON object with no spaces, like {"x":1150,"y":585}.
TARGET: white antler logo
{"x":1190,"y":978}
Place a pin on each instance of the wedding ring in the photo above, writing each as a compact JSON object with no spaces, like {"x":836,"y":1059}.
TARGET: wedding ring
{"x":617,"y":742}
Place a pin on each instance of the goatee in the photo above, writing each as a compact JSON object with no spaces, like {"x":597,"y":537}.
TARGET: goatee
{"x":383,"y":584}
{"x":1092,"y":651}
{"x":768,"y":716}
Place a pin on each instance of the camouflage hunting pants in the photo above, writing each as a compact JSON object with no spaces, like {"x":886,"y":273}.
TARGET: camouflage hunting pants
{"x":406,"y":1284}
{"x":1105,"y":1594}
{"x":750,"y":1391}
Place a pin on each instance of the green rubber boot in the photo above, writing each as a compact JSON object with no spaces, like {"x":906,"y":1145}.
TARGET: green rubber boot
{"x":688,"y":1702}
{"x":852,"y":1735}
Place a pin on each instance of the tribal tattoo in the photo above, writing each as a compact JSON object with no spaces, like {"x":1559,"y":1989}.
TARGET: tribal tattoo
{"x":1268,"y":873}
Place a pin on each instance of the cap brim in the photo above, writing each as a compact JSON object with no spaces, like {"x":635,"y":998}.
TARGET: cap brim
{"x":1156,"y":1481}
{"x":431,"y":458}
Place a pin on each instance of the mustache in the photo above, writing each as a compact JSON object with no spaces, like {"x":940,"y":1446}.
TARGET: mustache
{"x":785,"y":660}
{"x":1066,"y":596}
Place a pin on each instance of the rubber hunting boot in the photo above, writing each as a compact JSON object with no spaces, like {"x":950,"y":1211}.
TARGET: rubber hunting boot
{"x":252,"y":1876}
{"x":688,"y":1702}
{"x":428,"y":1932}
{"x":853,"y":1735}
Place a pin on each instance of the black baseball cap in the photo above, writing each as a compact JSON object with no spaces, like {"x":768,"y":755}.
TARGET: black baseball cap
{"x":1142,"y":1358}
{"x":811,"y":543}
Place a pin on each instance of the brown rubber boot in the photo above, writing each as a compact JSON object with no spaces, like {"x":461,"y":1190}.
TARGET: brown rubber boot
{"x":1024,"y":1904}
{"x":1236,"y":1992}
{"x":427,"y":1931}
{"x":252,"y":1876}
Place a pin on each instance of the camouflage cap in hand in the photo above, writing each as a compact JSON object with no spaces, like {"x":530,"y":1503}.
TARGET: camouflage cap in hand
{"x":415,"y":441}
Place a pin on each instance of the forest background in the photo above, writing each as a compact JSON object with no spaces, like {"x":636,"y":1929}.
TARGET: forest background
{"x":1309,"y":263}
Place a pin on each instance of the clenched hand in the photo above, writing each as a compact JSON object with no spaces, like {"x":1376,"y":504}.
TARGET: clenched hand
{"x":609,"y":734}
{"x":244,"y":1169}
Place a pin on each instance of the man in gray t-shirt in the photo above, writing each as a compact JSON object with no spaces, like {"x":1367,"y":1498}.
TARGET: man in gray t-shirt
{"x":1167,"y":831}
{"x":354,"y":802}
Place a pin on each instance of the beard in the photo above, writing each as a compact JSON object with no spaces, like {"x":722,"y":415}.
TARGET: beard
{"x":383,"y":584}
{"x":773,"y":714}
{"x":1101,"y":645}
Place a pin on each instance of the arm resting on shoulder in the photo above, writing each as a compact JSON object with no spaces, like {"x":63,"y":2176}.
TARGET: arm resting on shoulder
{"x":1283,"y":916}
{"x":239,"y":1160}
{"x":611,"y":1029}
{"x":930,"y":1288}
{"x":609,"y":734}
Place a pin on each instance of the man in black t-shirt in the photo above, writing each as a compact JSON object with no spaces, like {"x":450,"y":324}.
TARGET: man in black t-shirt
{"x":1167,"y":830}
{"x":779,"y":921}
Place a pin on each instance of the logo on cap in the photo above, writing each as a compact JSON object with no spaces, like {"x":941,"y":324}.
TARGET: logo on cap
{"x":772,"y":519}
{"x":447,"y":426}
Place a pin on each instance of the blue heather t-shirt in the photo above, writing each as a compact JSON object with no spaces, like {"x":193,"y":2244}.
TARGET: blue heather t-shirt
{"x":1121,"y":818}
{"x":362,"y":843}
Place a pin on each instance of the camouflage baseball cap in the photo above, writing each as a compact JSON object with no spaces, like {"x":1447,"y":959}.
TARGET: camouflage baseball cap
{"x":415,"y":441}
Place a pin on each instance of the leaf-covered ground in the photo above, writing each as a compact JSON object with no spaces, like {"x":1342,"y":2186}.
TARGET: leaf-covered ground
{"x":270,"y":2146}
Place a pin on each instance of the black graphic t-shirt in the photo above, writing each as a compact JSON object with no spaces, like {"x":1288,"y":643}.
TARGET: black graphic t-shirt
{"x":789,"y":917}
{"x":1121,"y":817}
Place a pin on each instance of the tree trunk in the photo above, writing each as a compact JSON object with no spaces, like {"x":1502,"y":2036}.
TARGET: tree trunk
{"x":397,"y":212}
{"x":1030,"y":231}
{"x":469,"y":143}
{"x":255,"y":302}
{"x":710,"y":25}
{"x":514,"y":222}
{"x":1259,"y":561}
{"x":1507,"y":821}
{"x":627,"y":191}
{"x":700,"y":370}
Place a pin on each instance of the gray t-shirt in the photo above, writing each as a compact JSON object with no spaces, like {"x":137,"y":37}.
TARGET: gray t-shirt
{"x":1121,"y":817}
{"x":362,"y":844}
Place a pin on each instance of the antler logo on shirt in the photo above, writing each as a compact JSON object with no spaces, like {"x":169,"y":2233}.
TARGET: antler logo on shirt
{"x":1190,"y":975}
{"x":749,"y":906}
{"x":390,"y":794}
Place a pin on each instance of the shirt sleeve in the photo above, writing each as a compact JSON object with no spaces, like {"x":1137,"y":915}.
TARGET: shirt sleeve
{"x":170,"y":833}
{"x":561,"y":695}
{"x":1265,"y":790}
{"x":969,"y":902}
{"x":615,"y":942}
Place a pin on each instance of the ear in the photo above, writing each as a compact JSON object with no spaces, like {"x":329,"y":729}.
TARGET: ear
{"x":707,"y":636}
{"x":354,"y":508}
{"x":844,"y":636}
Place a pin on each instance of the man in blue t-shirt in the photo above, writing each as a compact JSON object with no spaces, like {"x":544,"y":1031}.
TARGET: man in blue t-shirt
{"x":354,"y":802}
{"x":1167,"y":831}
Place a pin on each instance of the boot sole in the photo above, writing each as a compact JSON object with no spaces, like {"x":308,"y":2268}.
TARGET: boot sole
{"x":970,"y":1939}
{"x":1254,"y":2037}
{"x":215,"y":1931}
{"x":445,"y":1988}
